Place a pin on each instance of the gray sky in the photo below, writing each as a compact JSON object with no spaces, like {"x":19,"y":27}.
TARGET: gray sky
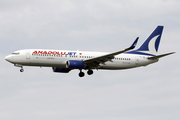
{"x":145,"y":93}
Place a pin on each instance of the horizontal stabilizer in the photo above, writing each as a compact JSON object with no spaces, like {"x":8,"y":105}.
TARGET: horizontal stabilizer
{"x":159,"y":56}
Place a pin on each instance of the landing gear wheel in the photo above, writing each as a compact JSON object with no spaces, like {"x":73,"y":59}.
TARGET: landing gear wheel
{"x":21,"y":70}
{"x":81,"y":74}
{"x":89,"y":72}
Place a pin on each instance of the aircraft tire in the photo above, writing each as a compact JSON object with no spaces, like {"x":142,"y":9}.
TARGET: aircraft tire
{"x":21,"y":70}
{"x":90,"y":72}
{"x":81,"y":74}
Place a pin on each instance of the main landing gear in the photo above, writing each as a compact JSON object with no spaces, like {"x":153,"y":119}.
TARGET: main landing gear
{"x":89,"y":72}
{"x":81,"y":74}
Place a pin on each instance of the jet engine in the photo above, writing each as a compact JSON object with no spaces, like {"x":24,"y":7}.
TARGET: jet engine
{"x":61,"y":70}
{"x":74,"y":64}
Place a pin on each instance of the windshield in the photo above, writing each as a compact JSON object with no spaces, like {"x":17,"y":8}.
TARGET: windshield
{"x":16,"y":53}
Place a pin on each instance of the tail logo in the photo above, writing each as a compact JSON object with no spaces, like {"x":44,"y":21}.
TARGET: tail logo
{"x":151,"y":46}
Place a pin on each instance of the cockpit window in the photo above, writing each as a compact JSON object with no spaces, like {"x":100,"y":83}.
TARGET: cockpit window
{"x":15,"y":53}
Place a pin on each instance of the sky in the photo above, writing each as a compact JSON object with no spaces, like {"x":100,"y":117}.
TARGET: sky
{"x":143,"y":93}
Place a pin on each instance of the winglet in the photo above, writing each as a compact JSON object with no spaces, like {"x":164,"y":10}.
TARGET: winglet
{"x":133,"y":45}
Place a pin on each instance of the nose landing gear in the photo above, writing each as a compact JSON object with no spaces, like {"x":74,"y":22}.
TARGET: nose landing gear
{"x":21,"y":70}
{"x":17,"y":65}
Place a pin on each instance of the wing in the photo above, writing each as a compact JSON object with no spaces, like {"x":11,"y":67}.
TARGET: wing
{"x":94,"y":62}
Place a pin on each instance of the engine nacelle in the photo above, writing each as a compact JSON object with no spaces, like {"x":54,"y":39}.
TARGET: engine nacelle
{"x":75,"y":64}
{"x":61,"y":70}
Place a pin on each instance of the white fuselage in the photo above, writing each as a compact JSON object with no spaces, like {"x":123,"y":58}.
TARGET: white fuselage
{"x":58,"y":58}
{"x":63,"y":61}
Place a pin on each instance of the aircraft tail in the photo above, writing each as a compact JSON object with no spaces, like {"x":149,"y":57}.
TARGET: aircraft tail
{"x":151,"y":45}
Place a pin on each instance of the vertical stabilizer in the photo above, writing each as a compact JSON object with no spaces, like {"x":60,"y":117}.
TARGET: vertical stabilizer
{"x":151,"y":45}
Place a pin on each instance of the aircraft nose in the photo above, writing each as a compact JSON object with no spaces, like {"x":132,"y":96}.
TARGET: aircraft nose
{"x":8,"y":58}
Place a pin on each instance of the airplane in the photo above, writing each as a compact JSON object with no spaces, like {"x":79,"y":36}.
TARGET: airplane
{"x":63,"y":61}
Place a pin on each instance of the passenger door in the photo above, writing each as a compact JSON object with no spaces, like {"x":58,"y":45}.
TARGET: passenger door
{"x":137,"y":60}
{"x":28,"y":55}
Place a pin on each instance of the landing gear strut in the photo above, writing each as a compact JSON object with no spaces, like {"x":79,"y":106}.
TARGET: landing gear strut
{"x":21,"y":70}
{"x":89,"y":72}
{"x":17,"y":65}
